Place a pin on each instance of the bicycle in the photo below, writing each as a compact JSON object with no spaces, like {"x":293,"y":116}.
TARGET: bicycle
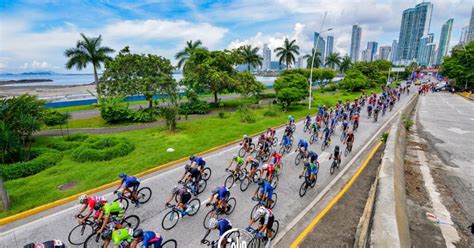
{"x":215,"y":211}
{"x":143,"y":196}
{"x":257,"y":242}
{"x":196,"y":188}
{"x":325,"y":144}
{"x":286,"y":148}
{"x":79,"y":233}
{"x":376,"y":114}
{"x":275,"y":141}
{"x":307,"y":126}
{"x":264,"y":203}
{"x":232,"y":177}
{"x":343,"y":134}
{"x":95,"y":240}
{"x":234,"y":236}
{"x":263,"y":155}
{"x":299,"y":157}
{"x":348,"y":149}
{"x":335,"y":164}
{"x":172,"y":217}
{"x":244,"y":183}
{"x":308,"y":182}
{"x":313,"y":138}
{"x":246,"y":149}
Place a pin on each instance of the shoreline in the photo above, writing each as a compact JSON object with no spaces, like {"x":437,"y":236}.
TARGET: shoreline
{"x":50,"y":92}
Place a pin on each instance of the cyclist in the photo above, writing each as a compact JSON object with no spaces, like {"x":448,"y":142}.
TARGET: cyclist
{"x":221,"y":195}
{"x":119,"y":236}
{"x":55,"y":243}
{"x":315,"y":128}
{"x":253,"y":165}
{"x":264,"y":191}
{"x":355,"y":121}
{"x":113,"y":209}
{"x":128,"y":182}
{"x":239,"y":162}
{"x":246,"y":142}
{"x":369,"y":109}
{"x":276,"y":159}
{"x":344,"y":126}
{"x":291,"y":120}
{"x":307,"y":121}
{"x":147,"y":238}
{"x":327,"y":135}
{"x":191,"y":174}
{"x":349,"y":140}
{"x":310,"y":169}
{"x":198,"y":162}
{"x":182,"y":197}
{"x":336,"y":155}
{"x":269,"y":169}
{"x":221,"y":224}
{"x":271,"y":133}
{"x":89,"y":201}
{"x":303,"y":146}
{"x":266,"y":219}
{"x":312,"y":156}
{"x":285,"y":140}
{"x":288,"y":131}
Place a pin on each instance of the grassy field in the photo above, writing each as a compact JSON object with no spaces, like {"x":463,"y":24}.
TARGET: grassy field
{"x":150,"y":151}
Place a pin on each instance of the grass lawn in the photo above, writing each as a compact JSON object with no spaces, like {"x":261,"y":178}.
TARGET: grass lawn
{"x":150,"y":150}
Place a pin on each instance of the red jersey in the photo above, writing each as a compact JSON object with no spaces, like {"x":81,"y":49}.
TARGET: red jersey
{"x":92,"y":200}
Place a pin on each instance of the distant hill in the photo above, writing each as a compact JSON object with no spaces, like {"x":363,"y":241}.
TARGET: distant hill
{"x":38,"y":73}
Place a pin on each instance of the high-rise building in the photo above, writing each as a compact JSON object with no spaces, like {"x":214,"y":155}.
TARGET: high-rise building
{"x":355,"y":42}
{"x":470,"y":36}
{"x":444,"y":38}
{"x":414,"y":25}
{"x":366,"y":55}
{"x":425,"y":50}
{"x":267,"y":57}
{"x":393,"y":55}
{"x":301,"y":63}
{"x":384,"y":53}
{"x":464,"y":34}
{"x":330,"y":45}
{"x":320,"y":43}
{"x":432,"y":54}
{"x":372,"y":46}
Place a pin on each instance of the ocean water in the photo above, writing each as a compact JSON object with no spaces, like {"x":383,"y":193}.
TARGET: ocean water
{"x":80,"y":79}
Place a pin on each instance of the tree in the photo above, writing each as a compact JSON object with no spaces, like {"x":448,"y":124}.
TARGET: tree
{"x":183,"y":55}
{"x":460,"y":65}
{"x":353,"y":81}
{"x":291,"y":88}
{"x":327,"y":74}
{"x":287,"y":52}
{"x":169,"y":109}
{"x":247,"y":84}
{"x":88,"y":50}
{"x":250,"y":56}
{"x":134,"y":74}
{"x":309,"y":59}
{"x":55,"y":118}
{"x":211,"y":71}
{"x":346,"y":64}
{"x":333,"y":60}
{"x":290,"y":95}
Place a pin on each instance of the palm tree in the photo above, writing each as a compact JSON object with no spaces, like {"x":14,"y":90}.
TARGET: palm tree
{"x":333,"y":59}
{"x":346,"y":64}
{"x":184,"y":54}
{"x":309,"y":59}
{"x":88,"y":50}
{"x":287,"y":52}
{"x":250,"y":56}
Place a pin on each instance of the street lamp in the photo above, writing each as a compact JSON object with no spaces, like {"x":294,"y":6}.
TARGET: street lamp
{"x":312,"y":61}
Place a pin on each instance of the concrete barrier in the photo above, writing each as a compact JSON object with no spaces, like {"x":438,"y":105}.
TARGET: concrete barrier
{"x":390,"y":221}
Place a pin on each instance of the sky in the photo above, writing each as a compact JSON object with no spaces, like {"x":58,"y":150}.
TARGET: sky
{"x":35,"y":33}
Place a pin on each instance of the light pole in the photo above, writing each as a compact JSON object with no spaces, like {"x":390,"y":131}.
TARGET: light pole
{"x":312,"y":60}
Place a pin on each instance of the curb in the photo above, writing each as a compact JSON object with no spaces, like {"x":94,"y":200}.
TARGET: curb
{"x":466,"y":95}
{"x":71,"y":198}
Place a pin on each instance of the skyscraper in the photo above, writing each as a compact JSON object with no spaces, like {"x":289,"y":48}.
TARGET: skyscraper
{"x":384,"y":52}
{"x":330,"y":45}
{"x":393,"y":55}
{"x":470,"y":36}
{"x":321,"y":46}
{"x":267,"y":57}
{"x":444,"y":38}
{"x":355,"y":42}
{"x":365,"y":55}
{"x":425,"y":50}
{"x":372,"y":46}
{"x":414,"y":25}
{"x":464,"y":34}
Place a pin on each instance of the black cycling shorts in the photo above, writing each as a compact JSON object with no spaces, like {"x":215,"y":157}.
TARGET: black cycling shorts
{"x":185,"y":197}
{"x":270,"y":222}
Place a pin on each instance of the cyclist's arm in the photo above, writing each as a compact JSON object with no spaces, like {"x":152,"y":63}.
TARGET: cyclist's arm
{"x":87,"y":215}
{"x":120,"y":185}
{"x":134,"y":244}
{"x":211,"y":198}
{"x":230,"y":164}
{"x":170,"y":199}
{"x":106,"y":243}
{"x":104,"y":224}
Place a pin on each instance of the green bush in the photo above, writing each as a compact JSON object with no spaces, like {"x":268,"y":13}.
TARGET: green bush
{"x":270,"y":113}
{"x":221,"y":114}
{"x":43,"y":159}
{"x":143,"y":115}
{"x":267,"y":95}
{"x":76,"y":137}
{"x":62,"y":145}
{"x":102,"y":149}
{"x":246,"y":114}
{"x":194,"y":107}
{"x":113,"y":110}
{"x":54,"y":118}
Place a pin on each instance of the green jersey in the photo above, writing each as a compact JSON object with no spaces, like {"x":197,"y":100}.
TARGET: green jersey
{"x":315,"y":127}
{"x":113,"y":208}
{"x":120,"y":235}
{"x":239,"y":160}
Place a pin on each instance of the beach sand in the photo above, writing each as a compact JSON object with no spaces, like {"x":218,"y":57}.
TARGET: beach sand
{"x":53,"y":93}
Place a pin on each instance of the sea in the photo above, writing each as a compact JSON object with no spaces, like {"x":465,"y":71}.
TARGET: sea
{"x":80,"y":79}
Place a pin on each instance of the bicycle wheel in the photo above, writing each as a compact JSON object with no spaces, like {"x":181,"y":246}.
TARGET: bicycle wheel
{"x":323,"y":146}
{"x":305,"y":128}
{"x":170,"y":243}
{"x":275,"y":228}
{"x":274,"y":181}
{"x":343,"y":135}
{"x":346,"y":151}
{"x":170,"y":220}
{"x":333,"y":167}
{"x":124,"y":202}
{"x":193,"y":206}
{"x":274,"y":200}
{"x":206,"y":173}
{"x":207,"y":218}
{"x":303,"y":189}
{"x":256,"y":176}
{"x":231,"y":203}
{"x":244,"y":184}
{"x":298,"y":158}
{"x":144,"y":195}
{"x":254,"y":210}
{"x":131,"y":221}
{"x":202,"y":184}
{"x":94,"y":241}
{"x":241,"y":152}
{"x":229,"y":181}
{"x":275,"y":141}
{"x":311,"y":139}
{"x":282,"y":150}
{"x":254,"y":243}
{"x":80,"y":233}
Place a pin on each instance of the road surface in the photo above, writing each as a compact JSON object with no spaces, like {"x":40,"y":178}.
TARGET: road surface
{"x":56,"y":224}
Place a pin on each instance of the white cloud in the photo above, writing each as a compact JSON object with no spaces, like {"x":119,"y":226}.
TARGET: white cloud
{"x":36,"y":65}
{"x":3,"y":66}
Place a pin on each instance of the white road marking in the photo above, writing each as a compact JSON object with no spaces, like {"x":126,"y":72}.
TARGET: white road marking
{"x":458,"y":130}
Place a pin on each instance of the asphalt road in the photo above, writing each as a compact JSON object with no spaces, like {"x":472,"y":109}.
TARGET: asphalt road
{"x":190,"y":230}
{"x":447,"y":122}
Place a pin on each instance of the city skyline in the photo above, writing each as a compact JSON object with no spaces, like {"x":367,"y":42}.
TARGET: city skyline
{"x":163,"y":27}
{"x":444,"y":40}
{"x":355,"y":43}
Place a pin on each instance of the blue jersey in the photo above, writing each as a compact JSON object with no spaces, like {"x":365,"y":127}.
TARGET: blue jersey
{"x":199,"y":161}
{"x":130,"y":180}
{"x":313,"y":156}
{"x":345,"y":124}
{"x":150,"y":238}
{"x":291,"y":119}
{"x":320,"y":111}
{"x":224,"y":226}
{"x":267,"y":188}
{"x":286,"y":140}
{"x":303,"y":143}
{"x":222,"y":192}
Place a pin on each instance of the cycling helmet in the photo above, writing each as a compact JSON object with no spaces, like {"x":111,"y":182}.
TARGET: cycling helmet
{"x":212,"y":223}
{"x":107,"y":234}
{"x":122,"y":175}
{"x":214,"y":190}
{"x":192,"y":158}
{"x":265,"y":166}
{"x":261,"y":211}
{"x":98,"y":205}
{"x":245,"y":135}
{"x":187,"y":167}
{"x":138,"y":233}
{"x":336,"y":148}
{"x":260,"y":181}
{"x":174,"y":190}
{"x":290,"y":116}
{"x":262,"y":135}
{"x":301,"y":141}
{"x":82,"y":198}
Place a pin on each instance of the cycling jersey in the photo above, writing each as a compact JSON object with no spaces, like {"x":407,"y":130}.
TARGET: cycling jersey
{"x":303,"y":144}
{"x":313,"y":156}
{"x":345,"y":124}
{"x":350,"y":137}
{"x":311,"y":169}
{"x":248,"y":140}
{"x":223,"y":225}
{"x":336,"y":152}
{"x":315,"y":127}
{"x":223,"y":193}
{"x":195,"y":173}
{"x":286,"y":140}
{"x":151,"y":238}
{"x":266,"y":189}
{"x":120,"y":235}
{"x":131,"y":181}
{"x":277,"y":158}
{"x":240,"y":161}
{"x":200,"y":161}
{"x":184,"y":195}
{"x":254,"y":164}
{"x":113,"y":208}
{"x":291,"y":119}
{"x":92,"y":200}
{"x":267,"y":218}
